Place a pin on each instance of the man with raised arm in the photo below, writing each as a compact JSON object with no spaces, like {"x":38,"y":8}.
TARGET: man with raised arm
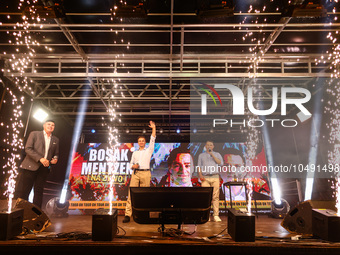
{"x":140,"y":164}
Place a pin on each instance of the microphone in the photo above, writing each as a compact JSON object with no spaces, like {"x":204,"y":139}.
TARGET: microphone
{"x":55,"y":157}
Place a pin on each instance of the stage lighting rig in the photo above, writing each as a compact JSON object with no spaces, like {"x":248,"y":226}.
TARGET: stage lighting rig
{"x":305,"y":9}
{"x":47,"y":10}
{"x":129,"y":8}
{"x":202,"y":8}
{"x":279,"y":210}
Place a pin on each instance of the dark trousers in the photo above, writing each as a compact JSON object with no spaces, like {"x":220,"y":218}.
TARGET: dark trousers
{"x":28,"y":179}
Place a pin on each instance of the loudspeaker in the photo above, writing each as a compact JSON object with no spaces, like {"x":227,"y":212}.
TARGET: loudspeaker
{"x":35,"y":220}
{"x":241,"y":226}
{"x":104,"y":225}
{"x":11,"y":223}
{"x":326,"y":224}
{"x":299,"y":219}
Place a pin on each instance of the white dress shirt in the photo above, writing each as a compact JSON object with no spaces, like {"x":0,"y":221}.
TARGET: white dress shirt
{"x":143,"y":157}
{"x":47,"y":143}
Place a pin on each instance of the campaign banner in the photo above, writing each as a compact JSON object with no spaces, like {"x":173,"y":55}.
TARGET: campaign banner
{"x":94,"y":164}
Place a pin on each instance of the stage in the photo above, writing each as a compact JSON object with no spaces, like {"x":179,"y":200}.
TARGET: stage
{"x":271,"y":238}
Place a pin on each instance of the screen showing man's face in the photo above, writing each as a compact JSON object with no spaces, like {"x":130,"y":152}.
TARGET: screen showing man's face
{"x":233,"y":160}
{"x":233,"y":163}
{"x":180,"y":168}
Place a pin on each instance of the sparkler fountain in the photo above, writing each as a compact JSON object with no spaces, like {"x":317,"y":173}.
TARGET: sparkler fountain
{"x":332,"y":107}
{"x":18,"y":63}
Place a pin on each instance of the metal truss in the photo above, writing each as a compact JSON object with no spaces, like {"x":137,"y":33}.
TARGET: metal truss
{"x":161,"y":84}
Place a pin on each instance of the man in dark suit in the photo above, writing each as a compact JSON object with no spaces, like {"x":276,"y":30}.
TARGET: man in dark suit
{"x":42,"y":151}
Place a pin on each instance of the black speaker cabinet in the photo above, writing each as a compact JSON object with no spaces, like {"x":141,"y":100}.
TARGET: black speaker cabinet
{"x":35,"y":220}
{"x":299,"y":219}
{"x":104,"y":225}
{"x":326,"y":224}
{"x":11,"y":224}
{"x":241,"y":226}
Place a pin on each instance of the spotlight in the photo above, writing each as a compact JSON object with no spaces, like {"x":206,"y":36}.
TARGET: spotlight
{"x":55,"y":208}
{"x":127,"y":131}
{"x":144,"y":130}
{"x":178,"y":130}
{"x":40,"y":115}
{"x":194,"y":130}
{"x":279,"y":209}
{"x":93,"y":131}
{"x":161,"y":130}
{"x":211,"y":130}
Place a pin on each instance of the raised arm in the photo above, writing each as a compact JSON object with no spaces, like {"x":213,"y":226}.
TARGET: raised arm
{"x":153,"y":126}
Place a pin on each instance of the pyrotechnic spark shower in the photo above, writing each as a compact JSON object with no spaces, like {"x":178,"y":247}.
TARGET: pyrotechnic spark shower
{"x":113,"y":133}
{"x":25,"y":44}
{"x":332,"y":106}
{"x":250,"y":192}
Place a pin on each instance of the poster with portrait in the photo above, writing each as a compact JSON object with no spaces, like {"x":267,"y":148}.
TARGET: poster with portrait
{"x":172,"y":164}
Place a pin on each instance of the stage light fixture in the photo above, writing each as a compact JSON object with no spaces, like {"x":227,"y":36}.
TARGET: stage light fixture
{"x":127,"y":131}
{"x":93,"y":131}
{"x":194,"y":130}
{"x":178,"y":130}
{"x":55,"y":208}
{"x":161,"y":130}
{"x":144,"y":130}
{"x":40,"y":115}
{"x":279,"y":210}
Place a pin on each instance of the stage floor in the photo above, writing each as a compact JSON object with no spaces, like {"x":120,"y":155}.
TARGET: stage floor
{"x":271,"y":238}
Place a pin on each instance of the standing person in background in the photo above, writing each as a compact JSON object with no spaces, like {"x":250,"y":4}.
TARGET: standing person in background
{"x":42,"y":151}
{"x":208,"y":163}
{"x":140,"y":164}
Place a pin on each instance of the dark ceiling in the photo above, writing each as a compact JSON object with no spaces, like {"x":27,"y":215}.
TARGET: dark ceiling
{"x":157,"y":54}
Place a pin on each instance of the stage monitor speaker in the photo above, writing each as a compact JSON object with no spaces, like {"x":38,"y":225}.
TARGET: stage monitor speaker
{"x":326,"y":224}
{"x":241,"y":226}
{"x":35,"y":220}
{"x":11,"y":223}
{"x":299,"y":219}
{"x":104,"y":225}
